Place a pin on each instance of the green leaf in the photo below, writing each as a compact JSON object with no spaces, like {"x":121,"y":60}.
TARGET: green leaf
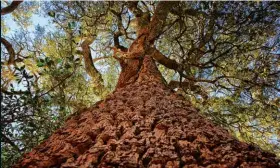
{"x":71,"y":25}
{"x":40,"y":64}
{"x":47,"y":59}
{"x":19,"y":80}
{"x":67,"y":66}
{"x":21,"y":68}
{"x":59,"y":60}
{"x":51,"y":14}
{"x":29,"y":77}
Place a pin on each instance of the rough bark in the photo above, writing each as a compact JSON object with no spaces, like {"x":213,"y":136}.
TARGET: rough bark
{"x":144,"y":124}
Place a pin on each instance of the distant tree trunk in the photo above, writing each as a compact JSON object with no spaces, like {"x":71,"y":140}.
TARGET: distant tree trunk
{"x":143,"y":123}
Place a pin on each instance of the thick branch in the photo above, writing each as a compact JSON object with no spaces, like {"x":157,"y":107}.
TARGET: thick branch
{"x":187,"y":84}
{"x":132,"y":6}
{"x":117,"y":42}
{"x":177,"y":84}
{"x":89,"y":66}
{"x":159,"y":19}
{"x":10,"y":8}
{"x":160,"y":58}
{"x":10,"y":50}
{"x":149,"y":30}
{"x":172,"y":64}
{"x":13,"y":92}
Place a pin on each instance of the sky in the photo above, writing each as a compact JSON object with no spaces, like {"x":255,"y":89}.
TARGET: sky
{"x":37,"y":19}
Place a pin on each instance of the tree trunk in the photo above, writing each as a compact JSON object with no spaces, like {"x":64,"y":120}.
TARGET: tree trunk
{"x":143,"y":124}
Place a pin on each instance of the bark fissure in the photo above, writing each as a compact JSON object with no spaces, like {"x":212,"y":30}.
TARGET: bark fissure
{"x":143,"y":123}
{"x":131,"y":60}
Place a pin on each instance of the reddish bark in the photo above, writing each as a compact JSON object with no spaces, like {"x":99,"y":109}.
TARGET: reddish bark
{"x":130,"y":69}
{"x":144,"y":124}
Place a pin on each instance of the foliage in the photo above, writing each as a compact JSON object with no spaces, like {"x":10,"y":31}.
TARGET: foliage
{"x":228,"y":53}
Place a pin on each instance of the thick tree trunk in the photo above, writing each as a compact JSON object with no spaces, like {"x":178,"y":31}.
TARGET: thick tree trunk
{"x":143,"y":124}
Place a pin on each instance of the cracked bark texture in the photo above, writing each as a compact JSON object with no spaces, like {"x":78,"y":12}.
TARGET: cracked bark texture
{"x":144,"y":124}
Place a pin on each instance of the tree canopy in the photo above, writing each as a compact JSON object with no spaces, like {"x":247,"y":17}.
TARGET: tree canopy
{"x":221,"y":56}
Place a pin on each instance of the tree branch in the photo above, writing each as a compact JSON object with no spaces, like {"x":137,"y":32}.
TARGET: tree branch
{"x":7,"y":140}
{"x":99,"y":58}
{"x":160,"y":58}
{"x":89,"y":66}
{"x":132,"y":6}
{"x":59,"y":83}
{"x":10,"y":8}
{"x":13,"y":92}
{"x":10,"y":50}
{"x":121,"y":30}
{"x":188,"y":85}
{"x":159,"y":19}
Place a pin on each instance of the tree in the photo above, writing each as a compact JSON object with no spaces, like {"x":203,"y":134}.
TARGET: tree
{"x":144,"y":122}
{"x":44,"y":84}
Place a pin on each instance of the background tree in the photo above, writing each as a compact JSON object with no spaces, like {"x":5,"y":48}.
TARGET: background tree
{"x":223,"y":57}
